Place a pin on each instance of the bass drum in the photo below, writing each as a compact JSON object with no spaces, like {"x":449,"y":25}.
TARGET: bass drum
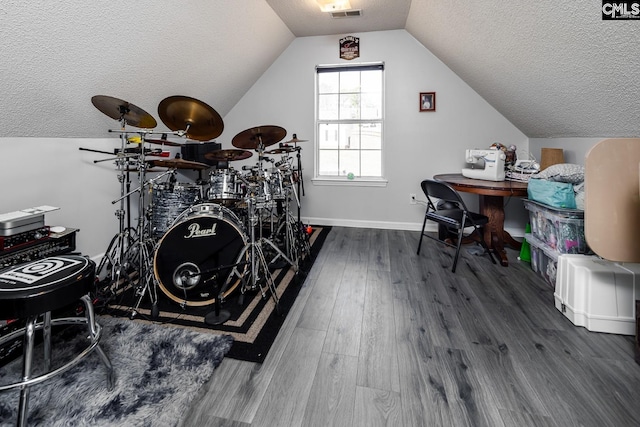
{"x":198,"y":253}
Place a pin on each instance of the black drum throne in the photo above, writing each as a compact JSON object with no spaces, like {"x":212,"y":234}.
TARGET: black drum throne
{"x":34,"y":290}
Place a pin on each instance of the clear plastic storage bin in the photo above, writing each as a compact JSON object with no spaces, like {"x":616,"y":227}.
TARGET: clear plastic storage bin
{"x":544,"y":260}
{"x":560,"y":229}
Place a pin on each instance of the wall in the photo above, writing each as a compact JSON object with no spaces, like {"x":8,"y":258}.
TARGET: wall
{"x":418,"y":145}
{"x":574,"y":149}
{"x":55,"y":172}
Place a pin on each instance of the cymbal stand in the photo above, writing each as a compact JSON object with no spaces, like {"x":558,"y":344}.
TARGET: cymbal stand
{"x":300,"y":180}
{"x":114,"y":257}
{"x":142,"y":248}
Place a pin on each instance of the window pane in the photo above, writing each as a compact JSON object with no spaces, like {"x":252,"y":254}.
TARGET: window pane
{"x":371,"y":163}
{"x":350,"y":81}
{"x":350,"y":162}
{"x":371,"y":106}
{"x":350,"y":106}
{"x":371,"y":136}
{"x":328,"y":136}
{"x":328,"y":107}
{"x":328,"y":162}
{"x":328,"y":83}
{"x":371,"y":81}
{"x":350,"y":136}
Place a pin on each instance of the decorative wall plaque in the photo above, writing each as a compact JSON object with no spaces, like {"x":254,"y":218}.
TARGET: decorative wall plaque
{"x":349,"y":47}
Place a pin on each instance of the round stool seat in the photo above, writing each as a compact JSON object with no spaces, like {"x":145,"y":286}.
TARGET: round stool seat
{"x":45,"y":285}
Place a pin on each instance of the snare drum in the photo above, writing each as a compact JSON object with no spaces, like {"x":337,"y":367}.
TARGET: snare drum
{"x":196,"y":257}
{"x":168,"y":202}
{"x":225,"y":185}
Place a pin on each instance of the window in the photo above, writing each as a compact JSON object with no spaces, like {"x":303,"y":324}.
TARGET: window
{"x":349,"y":121}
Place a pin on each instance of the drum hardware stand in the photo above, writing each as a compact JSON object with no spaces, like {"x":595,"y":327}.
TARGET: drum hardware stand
{"x":114,"y":256}
{"x":144,"y":243}
{"x":285,"y":220}
{"x":257,"y":260}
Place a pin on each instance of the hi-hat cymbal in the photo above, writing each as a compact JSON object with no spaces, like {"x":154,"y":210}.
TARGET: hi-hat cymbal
{"x":122,"y":110}
{"x":265,"y":135}
{"x":280,"y":150}
{"x":178,"y":164}
{"x":295,"y":140}
{"x":198,"y":120}
{"x":228,"y":155}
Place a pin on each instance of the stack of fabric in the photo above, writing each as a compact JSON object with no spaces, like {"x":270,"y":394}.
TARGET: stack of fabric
{"x":560,"y":186}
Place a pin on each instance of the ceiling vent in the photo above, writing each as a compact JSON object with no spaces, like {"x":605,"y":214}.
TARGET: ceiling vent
{"x":346,"y":13}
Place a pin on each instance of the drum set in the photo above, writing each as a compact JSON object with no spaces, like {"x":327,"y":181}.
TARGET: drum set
{"x":200,"y":240}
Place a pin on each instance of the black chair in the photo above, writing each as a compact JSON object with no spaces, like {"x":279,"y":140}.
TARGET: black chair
{"x":455,"y":217}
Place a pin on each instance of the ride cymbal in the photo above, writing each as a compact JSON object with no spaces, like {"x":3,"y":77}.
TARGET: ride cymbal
{"x":228,"y":155}
{"x":122,"y":110}
{"x":198,"y":120}
{"x":254,"y":137}
{"x":178,"y":164}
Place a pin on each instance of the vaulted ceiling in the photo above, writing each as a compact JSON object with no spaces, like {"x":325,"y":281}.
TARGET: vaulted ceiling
{"x":554,"y":69}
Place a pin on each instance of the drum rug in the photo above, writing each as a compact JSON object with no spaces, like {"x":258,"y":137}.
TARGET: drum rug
{"x":254,"y":321}
{"x":158,"y":372}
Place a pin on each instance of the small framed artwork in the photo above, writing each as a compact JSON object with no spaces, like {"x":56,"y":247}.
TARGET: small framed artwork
{"x":427,"y":101}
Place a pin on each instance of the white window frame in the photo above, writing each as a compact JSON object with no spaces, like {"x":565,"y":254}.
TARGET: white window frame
{"x":368,"y":181}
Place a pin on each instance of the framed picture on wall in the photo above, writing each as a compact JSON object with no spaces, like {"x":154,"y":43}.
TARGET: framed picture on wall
{"x":427,"y":101}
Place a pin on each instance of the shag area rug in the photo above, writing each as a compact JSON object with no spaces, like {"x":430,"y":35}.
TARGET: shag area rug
{"x":158,"y":372}
{"x":254,"y":322}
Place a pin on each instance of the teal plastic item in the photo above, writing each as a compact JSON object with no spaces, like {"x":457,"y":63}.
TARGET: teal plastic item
{"x":551,"y":193}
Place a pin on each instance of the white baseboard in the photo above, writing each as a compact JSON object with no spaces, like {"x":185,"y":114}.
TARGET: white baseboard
{"x":386,"y":225}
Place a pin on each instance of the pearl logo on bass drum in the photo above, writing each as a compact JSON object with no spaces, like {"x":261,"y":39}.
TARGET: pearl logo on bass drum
{"x":194,"y":231}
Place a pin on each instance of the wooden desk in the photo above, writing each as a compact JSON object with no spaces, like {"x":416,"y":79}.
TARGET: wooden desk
{"x":491,"y":196}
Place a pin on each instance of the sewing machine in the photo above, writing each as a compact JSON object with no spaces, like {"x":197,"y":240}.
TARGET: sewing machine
{"x":491,"y":161}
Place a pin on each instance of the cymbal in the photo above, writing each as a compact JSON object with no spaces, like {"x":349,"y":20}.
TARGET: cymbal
{"x":197,"y":119}
{"x":295,"y":140}
{"x":178,"y":164}
{"x":122,"y":110}
{"x":251,"y":138}
{"x":228,"y":155}
{"x":162,"y":142}
{"x":281,"y":150}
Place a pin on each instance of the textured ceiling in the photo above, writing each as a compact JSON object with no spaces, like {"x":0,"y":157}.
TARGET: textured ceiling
{"x":554,"y":69}
{"x":304,"y":18}
{"x":57,"y":55}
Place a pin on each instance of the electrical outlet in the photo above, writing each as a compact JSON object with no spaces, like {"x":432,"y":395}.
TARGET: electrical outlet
{"x":412,"y":199}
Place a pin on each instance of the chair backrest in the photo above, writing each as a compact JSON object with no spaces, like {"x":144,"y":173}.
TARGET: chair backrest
{"x":441,"y":191}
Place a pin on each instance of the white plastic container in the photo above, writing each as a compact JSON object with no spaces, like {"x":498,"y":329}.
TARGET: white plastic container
{"x":598,"y":294}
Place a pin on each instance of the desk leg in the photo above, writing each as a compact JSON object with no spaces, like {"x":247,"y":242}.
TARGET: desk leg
{"x":494,"y":234}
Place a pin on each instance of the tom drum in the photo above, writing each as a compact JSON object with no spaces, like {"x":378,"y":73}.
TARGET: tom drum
{"x":224,"y":186}
{"x":168,"y":202}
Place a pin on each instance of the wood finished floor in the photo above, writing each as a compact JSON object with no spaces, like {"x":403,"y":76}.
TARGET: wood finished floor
{"x":380,"y":336}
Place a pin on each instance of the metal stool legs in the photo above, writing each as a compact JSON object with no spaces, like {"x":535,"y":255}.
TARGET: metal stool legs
{"x":28,"y":332}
